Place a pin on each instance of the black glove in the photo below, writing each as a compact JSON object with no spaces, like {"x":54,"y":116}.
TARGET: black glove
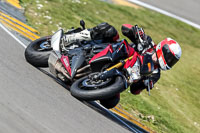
{"x":131,"y":32}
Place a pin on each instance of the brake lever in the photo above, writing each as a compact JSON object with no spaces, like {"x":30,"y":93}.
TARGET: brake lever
{"x":140,"y":39}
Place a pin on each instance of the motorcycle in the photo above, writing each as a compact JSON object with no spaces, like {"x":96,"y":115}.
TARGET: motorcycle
{"x":98,"y":85}
{"x":82,"y":64}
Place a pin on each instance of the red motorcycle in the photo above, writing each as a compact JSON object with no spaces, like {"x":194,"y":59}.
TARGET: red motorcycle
{"x":82,"y":64}
{"x":95,"y":86}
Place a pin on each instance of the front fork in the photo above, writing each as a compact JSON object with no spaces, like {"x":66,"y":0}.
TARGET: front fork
{"x":114,"y":69}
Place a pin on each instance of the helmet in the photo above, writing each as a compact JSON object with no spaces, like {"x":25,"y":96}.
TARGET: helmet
{"x":168,"y":53}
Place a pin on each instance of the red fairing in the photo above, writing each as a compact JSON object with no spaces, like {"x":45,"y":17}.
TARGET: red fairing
{"x":102,"y":53}
{"x":65,"y":62}
{"x":141,"y":58}
{"x":131,"y":52}
{"x":130,"y":63}
{"x":129,"y":49}
{"x":128,"y":25}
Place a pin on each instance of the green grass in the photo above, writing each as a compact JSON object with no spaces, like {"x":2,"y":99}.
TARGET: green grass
{"x":174,"y":101}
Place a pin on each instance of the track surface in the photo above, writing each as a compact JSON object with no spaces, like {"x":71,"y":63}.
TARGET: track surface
{"x":32,"y":102}
{"x":188,"y":9}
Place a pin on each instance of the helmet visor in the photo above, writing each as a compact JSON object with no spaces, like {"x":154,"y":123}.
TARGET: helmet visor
{"x":169,"y":57}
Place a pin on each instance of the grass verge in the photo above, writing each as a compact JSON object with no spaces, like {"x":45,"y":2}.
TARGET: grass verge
{"x":173,"y":106}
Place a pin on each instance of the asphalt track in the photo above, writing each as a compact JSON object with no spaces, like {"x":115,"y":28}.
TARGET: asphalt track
{"x":188,"y":9}
{"x":32,"y":102}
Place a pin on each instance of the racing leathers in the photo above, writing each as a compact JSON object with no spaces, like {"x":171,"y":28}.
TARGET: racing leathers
{"x":102,"y":32}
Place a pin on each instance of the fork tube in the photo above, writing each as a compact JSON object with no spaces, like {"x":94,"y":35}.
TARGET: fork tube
{"x":118,"y":65}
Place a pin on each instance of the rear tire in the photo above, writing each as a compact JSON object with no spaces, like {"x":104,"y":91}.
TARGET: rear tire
{"x":35,"y":56}
{"x":89,"y":94}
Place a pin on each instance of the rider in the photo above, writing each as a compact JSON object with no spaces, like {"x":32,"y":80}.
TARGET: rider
{"x":164,"y":55}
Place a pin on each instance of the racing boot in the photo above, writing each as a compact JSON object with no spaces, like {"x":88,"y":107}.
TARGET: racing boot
{"x":80,"y":36}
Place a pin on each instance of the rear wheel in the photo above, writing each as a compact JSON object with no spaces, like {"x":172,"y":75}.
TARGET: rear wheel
{"x":38,"y":51}
{"x":88,"y":88}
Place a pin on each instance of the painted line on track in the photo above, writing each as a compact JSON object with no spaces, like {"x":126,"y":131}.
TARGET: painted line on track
{"x":14,"y":3}
{"x":14,"y":20}
{"x":130,"y":118}
{"x":18,"y":30}
{"x":18,"y":26}
{"x":125,"y":3}
{"x":165,"y":13}
{"x":6,"y":30}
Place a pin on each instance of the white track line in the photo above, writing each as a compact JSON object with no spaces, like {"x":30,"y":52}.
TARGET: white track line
{"x":11,"y":34}
{"x":165,"y":13}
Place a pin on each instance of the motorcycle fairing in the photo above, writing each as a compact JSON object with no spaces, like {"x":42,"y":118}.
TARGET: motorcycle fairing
{"x":102,"y":53}
{"x":65,"y":62}
{"x":55,"y":42}
{"x":77,"y":62}
{"x":129,"y":49}
{"x":130,"y":63}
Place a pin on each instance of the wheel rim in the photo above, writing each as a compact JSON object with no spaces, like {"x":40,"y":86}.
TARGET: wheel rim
{"x":91,"y":83}
{"x":44,"y":46}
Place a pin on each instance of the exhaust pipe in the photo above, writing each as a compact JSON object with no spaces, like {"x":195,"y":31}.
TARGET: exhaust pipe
{"x":83,"y":68}
{"x":56,"y":67}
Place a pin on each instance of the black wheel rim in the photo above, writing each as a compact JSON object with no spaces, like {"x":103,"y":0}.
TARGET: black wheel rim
{"x":92,"y":84}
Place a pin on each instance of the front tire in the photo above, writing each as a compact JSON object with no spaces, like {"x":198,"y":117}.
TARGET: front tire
{"x":115,"y":86}
{"x":38,"y":51}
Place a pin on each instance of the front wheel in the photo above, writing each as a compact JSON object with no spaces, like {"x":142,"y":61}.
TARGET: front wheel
{"x":38,"y":51}
{"x":87,"y":88}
